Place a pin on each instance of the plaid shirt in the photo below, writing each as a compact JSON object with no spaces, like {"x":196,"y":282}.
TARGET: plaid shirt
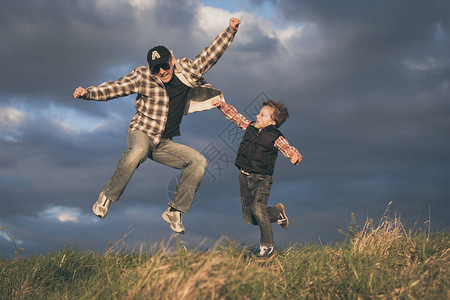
{"x":242,"y":122}
{"x":152,"y":101}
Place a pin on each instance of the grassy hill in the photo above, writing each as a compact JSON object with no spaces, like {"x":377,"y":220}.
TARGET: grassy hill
{"x":385,"y":261}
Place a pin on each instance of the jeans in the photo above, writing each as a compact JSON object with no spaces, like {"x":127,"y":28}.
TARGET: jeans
{"x":255,"y":192}
{"x":169,"y":153}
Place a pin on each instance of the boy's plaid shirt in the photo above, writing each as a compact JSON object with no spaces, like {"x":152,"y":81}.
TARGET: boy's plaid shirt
{"x":242,"y":122}
{"x":152,"y":101}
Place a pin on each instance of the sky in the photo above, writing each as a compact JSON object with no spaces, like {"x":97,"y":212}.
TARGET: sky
{"x":367,"y":85}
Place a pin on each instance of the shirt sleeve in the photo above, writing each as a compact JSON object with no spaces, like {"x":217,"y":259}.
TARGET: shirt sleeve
{"x":283,"y":145}
{"x":122,"y":87}
{"x":231,"y":114}
{"x":211,"y":54}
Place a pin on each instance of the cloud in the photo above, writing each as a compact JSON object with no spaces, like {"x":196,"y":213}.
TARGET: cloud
{"x":11,"y":117}
{"x":66,"y":217}
{"x":366,"y":85}
{"x":424,"y":65}
{"x":64,"y":126}
{"x":4,"y":236}
{"x":61,"y":213}
{"x":10,"y":121}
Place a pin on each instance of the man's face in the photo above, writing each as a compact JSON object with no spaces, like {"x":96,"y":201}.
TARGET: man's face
{"x":264,"y":118}
{"x":166,"y":75}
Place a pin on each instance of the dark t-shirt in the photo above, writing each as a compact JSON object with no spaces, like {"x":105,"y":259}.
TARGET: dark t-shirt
{"x":178,"y":94}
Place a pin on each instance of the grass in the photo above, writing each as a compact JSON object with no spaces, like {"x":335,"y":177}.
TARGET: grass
{"x":386,"y":261}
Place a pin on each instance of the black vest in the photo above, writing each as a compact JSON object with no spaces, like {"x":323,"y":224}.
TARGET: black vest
{"x":257,"y":153}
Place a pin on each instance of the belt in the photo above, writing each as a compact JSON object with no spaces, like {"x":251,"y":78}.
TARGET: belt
{"x":245,"y":173}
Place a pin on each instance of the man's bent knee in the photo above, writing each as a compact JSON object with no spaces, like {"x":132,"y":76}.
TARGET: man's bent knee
{"x":203,"y":161}
{"x":199,"y":161}
{"x":138,"y":154}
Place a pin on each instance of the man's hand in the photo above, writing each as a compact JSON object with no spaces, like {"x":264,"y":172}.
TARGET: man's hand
{"x":215,"y":102}
{"x":234,"y":23}
{"x":79,"y":93}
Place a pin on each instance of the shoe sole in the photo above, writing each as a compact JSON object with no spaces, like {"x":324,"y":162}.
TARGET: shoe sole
{"x":98,"y":214}
{"x":166,"y":218}
{"x":264,"y":259}
{"x":284,"y":213}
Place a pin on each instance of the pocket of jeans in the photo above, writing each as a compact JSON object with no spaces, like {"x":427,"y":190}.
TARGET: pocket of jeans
{"x":264,"y":187}
{"x":263,"y":177}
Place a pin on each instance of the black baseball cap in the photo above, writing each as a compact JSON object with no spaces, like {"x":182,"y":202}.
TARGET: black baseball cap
{"x":158,"y":55}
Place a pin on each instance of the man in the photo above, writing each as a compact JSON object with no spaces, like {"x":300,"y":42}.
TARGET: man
{"x":166,"y":89}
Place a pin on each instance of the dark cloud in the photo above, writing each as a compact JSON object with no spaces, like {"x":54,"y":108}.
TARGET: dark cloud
{"x":54,"y":47}
{"x":366,"y":85}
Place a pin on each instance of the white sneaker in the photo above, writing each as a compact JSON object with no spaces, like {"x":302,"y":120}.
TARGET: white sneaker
{"x":101,"y":206}
{"x":266,"y":254}
{"x":174,"y":219}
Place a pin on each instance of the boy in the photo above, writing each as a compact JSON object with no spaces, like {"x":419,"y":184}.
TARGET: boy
{"x":256,"y":160}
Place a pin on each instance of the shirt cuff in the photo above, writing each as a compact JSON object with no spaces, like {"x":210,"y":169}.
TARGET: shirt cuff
{"x":231,"y":31}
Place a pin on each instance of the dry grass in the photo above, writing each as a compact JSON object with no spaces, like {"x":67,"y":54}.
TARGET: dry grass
{"x":383,"y":262}
{"x":378,"y":241}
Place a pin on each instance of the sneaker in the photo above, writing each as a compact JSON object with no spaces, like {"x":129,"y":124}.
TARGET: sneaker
{"x":101,"y":206}
{"x":174,"y":219}
{"x":282,"y":219}
{"x":266,"y":254}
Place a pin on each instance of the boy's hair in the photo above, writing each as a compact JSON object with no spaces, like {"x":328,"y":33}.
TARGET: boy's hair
{"x":280,"y":112}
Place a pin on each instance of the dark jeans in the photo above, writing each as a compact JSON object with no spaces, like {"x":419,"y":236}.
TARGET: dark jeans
{"x":255,"y":192}
{"x":169,"y":153}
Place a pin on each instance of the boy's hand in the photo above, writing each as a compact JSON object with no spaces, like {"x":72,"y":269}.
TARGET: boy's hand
{"x":215,"y":102}
{"x":295,"y":159}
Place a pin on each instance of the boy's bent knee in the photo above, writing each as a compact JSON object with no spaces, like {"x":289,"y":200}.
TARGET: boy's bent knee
{"x":258,"y":209}
{"x":247,"y":214}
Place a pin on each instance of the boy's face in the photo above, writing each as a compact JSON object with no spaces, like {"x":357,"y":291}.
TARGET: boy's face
{"x":264,"y":118}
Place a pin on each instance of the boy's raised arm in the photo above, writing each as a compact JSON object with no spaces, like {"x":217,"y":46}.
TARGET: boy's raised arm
{"x":290,"y":152}
{"x":231,"y":114}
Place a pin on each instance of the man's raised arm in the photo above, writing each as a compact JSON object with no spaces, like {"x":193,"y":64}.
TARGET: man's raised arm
{"x":211,"y":54}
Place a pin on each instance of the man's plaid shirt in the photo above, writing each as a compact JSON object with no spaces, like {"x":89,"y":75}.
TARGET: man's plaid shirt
{"x":242,"y":122}
{"x":152,"y":101}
